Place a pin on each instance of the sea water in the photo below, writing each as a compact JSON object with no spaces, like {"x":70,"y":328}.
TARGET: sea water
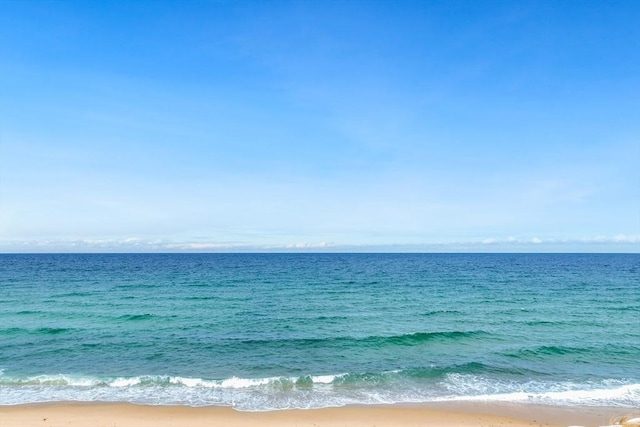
{"x":275,"y":331}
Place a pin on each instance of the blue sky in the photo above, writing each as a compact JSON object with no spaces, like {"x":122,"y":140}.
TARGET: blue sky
{"x":319,"y":125}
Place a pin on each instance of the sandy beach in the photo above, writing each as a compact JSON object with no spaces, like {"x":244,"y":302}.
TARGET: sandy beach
{"x":458,"y":414}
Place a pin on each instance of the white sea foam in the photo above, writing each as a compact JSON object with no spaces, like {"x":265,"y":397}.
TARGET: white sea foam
{"x":61,"y":380}
{"x":270,"y":393}
{"x":193,"y":382}
{"x":477,"y":388}
{"x":325,"y":379}
{"x":235,"y":382}
{"x":125,"y":382}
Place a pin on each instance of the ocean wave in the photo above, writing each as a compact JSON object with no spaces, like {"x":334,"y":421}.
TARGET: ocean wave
{"x":411,"y":339}
{"x":313,"y":391}
{"x":36,"y":331}
{"x":596,"y":393}
{"x":623,"y":396}
{"x":134,"y":317}
{"x":73,"y":294}
{"x":165,"y":380}
{"x":442,"y":313}
{"x":552,"y":350}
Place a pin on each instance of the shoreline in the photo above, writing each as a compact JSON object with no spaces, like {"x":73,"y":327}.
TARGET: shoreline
{"x":98,"y":414}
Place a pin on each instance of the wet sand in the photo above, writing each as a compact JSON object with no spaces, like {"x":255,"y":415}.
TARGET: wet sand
{"x":448,"y":414}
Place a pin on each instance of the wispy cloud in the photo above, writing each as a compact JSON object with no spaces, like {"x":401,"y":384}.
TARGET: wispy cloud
{"x":200,"y":246}
{"x":306,"y":245}
{"x":618,"y":238}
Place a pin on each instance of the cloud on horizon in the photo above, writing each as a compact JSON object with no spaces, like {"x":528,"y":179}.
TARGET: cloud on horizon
{"x":616,"y":243}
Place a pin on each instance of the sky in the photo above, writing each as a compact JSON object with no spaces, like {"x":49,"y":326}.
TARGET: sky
{"x":437,"y":126}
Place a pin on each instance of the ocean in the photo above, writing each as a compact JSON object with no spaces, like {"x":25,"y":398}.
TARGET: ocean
{"x":275,"y":331}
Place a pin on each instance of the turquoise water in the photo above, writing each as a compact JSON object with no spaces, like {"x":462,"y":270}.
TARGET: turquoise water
{"x":274,"y":331}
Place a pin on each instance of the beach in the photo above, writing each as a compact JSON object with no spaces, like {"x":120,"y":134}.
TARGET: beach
{"x":458,"y":414}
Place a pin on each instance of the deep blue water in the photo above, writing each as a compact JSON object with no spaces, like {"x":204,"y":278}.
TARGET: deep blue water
{"x":267,"y":331}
